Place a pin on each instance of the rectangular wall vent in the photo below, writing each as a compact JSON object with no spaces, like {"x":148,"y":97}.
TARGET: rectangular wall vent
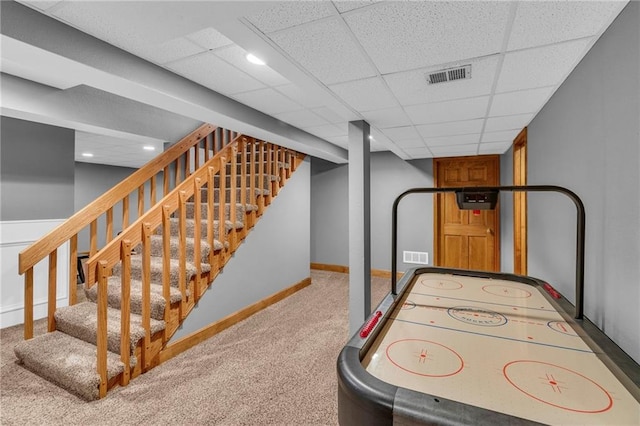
{"x":419,"y":257}
{"x":449,"y":74}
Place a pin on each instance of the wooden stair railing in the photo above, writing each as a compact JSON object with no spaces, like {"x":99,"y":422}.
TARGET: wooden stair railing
{"x":157,"y":217}
{"x":172,"y":167}
{"x":224,"y":153}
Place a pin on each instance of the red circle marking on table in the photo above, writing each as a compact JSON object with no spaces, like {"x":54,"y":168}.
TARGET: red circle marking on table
{"x":503,"y":291}
{"x":418,"y":347}
{"x":445,"y":284}
{"x":535,"y":370}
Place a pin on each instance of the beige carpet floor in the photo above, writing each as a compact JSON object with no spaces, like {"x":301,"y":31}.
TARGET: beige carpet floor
{"x":277,"y":367}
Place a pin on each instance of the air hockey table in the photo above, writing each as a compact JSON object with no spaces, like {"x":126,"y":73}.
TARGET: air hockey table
{"x":453,"y":347}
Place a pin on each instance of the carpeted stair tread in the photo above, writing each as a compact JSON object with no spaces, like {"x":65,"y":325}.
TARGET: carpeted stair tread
{"x":157,"y":298}
{"x":66,"y":361}
{"x":241,"y":210}
{"x":157,"y":248}
{"x":156,"y":269}
{"x":81,"y":322}
{"x":190,"y":225}
{"x":216,"y":194}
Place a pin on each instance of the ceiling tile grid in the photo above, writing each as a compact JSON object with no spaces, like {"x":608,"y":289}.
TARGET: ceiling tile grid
{"x":405,"y":35}
{"x":365,"y":60}
{"x":326,"y":50}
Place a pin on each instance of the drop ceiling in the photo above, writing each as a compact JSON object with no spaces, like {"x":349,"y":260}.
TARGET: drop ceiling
{"x":331,"y":62}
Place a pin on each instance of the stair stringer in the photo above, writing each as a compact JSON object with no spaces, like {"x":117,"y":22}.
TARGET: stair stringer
{"x":275,"y":256}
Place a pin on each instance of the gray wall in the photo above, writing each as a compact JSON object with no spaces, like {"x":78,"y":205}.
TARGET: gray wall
{"x":390,"y":176}
{"x":36,"y":170}
{"x":274,"y":256}
{"x":587,"y":139}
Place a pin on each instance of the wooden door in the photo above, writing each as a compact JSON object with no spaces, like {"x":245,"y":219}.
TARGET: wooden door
{"x":520,"y":204}
{"x":467,"y":239}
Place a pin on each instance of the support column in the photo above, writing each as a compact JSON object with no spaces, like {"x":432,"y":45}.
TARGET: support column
{"x":359,"y":225}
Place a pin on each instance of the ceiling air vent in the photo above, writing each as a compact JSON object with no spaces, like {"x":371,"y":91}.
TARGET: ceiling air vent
{"x":449,"y":74}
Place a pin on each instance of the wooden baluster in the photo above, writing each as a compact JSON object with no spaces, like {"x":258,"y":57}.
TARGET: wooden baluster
{"x":152,"y":196}
{"x":125,"y":212}
{"x":210,"y":218}
{"x":28,"y":304}
{"x":275,"y":188}
{"x":176,"y":171}
{"x":252,"y":179}
{"x":287,"y":160}
{"x":165,"y":180}
{"x":197,"y":219}
{"x":187,"y":163}
{"x":267,"y":172}
{"x":264,"y":199}
{"x":146,"y":292}
{"x":232,"y":198}
{"x":206,"y":147}
{"x":242,"y":148}
{"x":125,"y":314}
{"x":182,"y":256}
{"x":281,"y":166}
{"x":101,"y":338}
{"x":51,"y":303}
{"x":196,"y":156}
{"x":222,"y":199}
{"x":166,"y":260}
{"x":93,"y":238}
{"x":140,"y":200}
{"x":109,"y":230}
{"x":73,"y":270}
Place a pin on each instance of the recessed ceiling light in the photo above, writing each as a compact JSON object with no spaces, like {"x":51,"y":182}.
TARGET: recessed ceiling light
{"x":149,"y":148}
{"x":87,"y":154}
{"x":254,"y":59}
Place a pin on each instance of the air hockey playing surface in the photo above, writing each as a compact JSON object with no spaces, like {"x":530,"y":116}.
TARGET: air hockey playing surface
{"x":489,"y":345}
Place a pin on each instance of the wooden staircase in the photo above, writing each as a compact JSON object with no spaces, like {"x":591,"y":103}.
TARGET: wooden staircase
{"x":145,"y":280}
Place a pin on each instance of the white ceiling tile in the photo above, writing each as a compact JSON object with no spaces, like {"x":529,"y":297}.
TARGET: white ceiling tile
{"x":289,"y":13}
{"x":267,"y":100}
{"x":418,"y":152}
{"x":405,"y":35}
{"x":236,"y":56}
{"x":365,"y":95}
{"x":453,"y":140}
{"x":328,"y":130}
{"x":216,"y":74}
{"x":520,"y":102}
{"x":458,"y":110}
{"x":299,"y":95}
{"x":510,"y":122}
{"x":494,"y":147}
{"x":409,"y":143}
{"x":456,"y":150}
{"x":539,"y":23}
{"x":169,"y":51}
{"x":411,"y":87}
{"x":301,"y":118}
{"x":450,"y":129}
{"x":328,"y":114}
{"x":401,"y":133}
{"x":347,"y":5}
{"x":326,"y":50}
{"x":508,"y":135}
{"x":388,"y":117}
{"x":209,"y":38}
{"x":543,"y":66}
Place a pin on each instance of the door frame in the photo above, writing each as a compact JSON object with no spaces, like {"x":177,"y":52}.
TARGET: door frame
{"x":438,"y":199}
{"x":520,"y":204}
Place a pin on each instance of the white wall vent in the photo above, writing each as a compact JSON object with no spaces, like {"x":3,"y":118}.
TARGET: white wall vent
{"x":419,"y":257}
{"x":449,"y":74}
